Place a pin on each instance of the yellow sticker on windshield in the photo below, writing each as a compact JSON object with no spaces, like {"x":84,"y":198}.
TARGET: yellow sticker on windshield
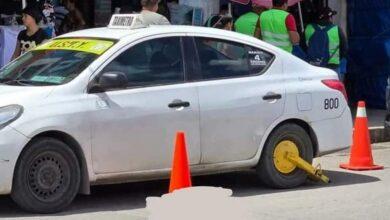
{"x":85,"y":45}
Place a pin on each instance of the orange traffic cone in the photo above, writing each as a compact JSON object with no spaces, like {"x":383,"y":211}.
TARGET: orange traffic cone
{"x":180,"y":175}
{"x":361,"y":156}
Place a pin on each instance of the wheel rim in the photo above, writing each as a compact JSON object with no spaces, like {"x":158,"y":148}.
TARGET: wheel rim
{"x":282,"y":164}
{"x":48,"y":176}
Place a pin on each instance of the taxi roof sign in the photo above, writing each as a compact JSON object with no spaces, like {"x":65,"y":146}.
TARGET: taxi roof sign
{"x":128,"y":21}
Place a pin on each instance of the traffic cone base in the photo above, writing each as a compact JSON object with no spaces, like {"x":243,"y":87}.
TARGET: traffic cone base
{"x":349,"y":167}
{"x":361,"y":155}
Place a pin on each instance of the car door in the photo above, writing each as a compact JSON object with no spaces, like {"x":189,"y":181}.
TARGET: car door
{"x":241,"y":93}
{"x":133,"y":129}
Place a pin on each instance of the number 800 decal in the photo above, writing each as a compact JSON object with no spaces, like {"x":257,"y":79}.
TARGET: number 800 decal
{"x":331,"y":103}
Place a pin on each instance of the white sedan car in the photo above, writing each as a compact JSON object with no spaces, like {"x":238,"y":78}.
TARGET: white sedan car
{"x":103,"y":105}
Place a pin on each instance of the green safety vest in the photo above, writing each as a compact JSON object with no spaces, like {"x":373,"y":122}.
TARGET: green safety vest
{"x":246,"y":24}
{"x":274,"y":30}
{"x":334,"y":42}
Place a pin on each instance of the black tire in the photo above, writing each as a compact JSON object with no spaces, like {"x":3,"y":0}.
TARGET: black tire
{"x":47,"y":177}
{"x":266,"y":169}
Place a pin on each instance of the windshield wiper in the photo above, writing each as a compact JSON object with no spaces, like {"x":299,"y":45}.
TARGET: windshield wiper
{"x":26,"y":82}
{"x":3,"y":80}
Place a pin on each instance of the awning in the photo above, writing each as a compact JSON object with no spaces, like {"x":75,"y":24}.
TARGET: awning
{"x":265,"y":3}
{"x":244,"y":2}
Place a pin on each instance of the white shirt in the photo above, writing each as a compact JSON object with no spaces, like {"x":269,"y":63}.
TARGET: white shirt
{"x":152,"y":18}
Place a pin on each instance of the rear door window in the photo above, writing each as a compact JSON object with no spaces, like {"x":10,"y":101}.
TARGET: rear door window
{"x":220,"y":59}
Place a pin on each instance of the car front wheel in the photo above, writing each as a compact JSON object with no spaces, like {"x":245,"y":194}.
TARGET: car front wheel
{"x":47,"y":176}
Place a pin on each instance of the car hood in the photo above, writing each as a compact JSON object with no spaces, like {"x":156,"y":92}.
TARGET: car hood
{"x":23,"y":95}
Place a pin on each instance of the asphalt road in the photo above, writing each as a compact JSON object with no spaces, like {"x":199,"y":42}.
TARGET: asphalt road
{"x":351,"y":195}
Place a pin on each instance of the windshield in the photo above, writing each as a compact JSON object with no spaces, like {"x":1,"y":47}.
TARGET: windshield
{"x":54,"y":63}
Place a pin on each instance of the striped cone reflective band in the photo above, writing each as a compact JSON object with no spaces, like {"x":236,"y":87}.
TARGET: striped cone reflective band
{"x":361,"y":110}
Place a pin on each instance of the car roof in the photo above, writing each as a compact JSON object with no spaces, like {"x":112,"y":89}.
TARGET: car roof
{"x":107,"y":33}
{"x":120,"y":33}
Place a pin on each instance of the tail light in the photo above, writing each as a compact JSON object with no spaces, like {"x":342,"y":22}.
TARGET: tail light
{"x":337,"y":85}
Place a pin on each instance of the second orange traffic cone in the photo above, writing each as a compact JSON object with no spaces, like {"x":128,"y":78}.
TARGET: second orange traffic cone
{"x":180,"y":174}
{"x":361,"y":155}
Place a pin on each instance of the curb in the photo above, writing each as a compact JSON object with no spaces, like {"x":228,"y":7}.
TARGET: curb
{"x":379,"y":134}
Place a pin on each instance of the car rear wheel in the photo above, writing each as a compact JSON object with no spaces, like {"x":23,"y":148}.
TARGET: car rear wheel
{"x":47,"y":177}
{"x":273,"y":168}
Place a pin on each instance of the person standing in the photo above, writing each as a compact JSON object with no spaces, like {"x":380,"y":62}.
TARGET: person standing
{"x":33,"y":35}
{"x":49,"y":18}
{"x":223,"y":11}
{"x":278,"y":27}
{"x":74,"y":20}
{"x":60,"y":13}
{"x":246,"y":23}
{"x":149,"y":13}
{"x":180,"y":14}
{"x":223,"y":22}
{"x":163,"y":9}
{"x":326,"y":43}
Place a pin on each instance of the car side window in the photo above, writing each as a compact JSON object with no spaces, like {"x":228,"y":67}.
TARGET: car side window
{"x":225,"y":59}
{"x":153,"y":62}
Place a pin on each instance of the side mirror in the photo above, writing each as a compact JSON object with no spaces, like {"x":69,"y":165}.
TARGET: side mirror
{"x":109,"y":80}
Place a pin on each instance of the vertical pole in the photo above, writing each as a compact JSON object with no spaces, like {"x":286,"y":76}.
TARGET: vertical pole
{"x":300,"y":17}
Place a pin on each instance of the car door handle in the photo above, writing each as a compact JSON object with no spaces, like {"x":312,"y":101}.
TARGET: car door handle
{"x":179,"y":104}
{"x":272,"y":96}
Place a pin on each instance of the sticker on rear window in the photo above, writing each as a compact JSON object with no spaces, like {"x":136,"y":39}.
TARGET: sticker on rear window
{"x":256,"y":58}
{"x":85,"y":45}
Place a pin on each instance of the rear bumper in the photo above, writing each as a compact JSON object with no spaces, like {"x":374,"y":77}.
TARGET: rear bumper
{"x":11,"y":144}
{"x":334,"y":134}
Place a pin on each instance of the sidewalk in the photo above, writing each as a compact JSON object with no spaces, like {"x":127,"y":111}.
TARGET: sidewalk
{"x":376,"y":118}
